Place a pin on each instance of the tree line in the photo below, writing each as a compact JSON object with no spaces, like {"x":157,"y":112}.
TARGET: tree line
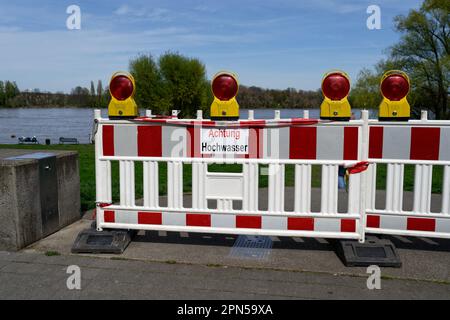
{"x":160,"y":89}
{"x":12,"y":97}
{"x":255,"y":98}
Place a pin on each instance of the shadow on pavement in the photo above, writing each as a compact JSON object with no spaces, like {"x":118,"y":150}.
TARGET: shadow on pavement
{"x":229,"y":240}
{"x":420,"y":243}
{"x":202,"y":239}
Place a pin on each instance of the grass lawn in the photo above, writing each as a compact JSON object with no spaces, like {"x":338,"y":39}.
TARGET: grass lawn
{"x":87,"y":174}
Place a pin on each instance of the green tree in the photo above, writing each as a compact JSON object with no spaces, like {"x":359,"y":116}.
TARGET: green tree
{"x":2,"y":94}
{"x":173,"y":82}
{"x":100,"y":100}
{"x":106,"y":97}
{"x":99,"y":88}
{"x":92,"y":89}
{"x":149,"y":88}
{"x":11,"y":91}
{"x":92,"y":99}
{"x":185,"y":82}
{"x":365,"y":93}
{"x":424,"y":52}
{"x":80,"y":97}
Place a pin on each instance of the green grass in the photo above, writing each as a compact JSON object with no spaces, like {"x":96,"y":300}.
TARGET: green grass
{"x":408,"y":182}
{"x":87,"y":174}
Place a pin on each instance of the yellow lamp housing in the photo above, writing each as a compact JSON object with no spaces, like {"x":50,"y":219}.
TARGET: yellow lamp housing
{"x":225,"y":87}
{"x":335,"y":89}
{"x":122,"y":88}
{"x":394,"y":87}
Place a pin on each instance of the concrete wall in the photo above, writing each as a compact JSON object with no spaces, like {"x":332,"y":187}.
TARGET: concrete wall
{"x":20,"y":197}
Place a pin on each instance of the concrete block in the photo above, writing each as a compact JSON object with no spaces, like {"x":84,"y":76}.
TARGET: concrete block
{"x":21,"y":190}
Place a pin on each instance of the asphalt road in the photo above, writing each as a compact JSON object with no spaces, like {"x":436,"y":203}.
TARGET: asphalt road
{"x":37,"y":276}
{"x":173,"y":265}
{"x":160,"y":265}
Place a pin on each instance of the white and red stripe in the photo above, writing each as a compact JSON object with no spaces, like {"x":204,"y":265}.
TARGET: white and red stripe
{"x":300,"y":140}
{"x":409,"y":142}
{"x":279,"y":139}
{"x":231,"y":221}
{"x":382,"y":223}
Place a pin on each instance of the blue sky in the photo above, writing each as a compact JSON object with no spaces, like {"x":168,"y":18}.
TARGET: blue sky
{"x":271,"y":44}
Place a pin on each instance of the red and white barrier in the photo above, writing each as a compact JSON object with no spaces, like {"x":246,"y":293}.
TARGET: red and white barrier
{"x":359,"y":145}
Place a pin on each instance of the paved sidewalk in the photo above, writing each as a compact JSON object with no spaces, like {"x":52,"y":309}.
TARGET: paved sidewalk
{"x":36,"y":276}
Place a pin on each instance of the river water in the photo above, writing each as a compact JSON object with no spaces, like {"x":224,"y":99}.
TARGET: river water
{"x":54,"y":123}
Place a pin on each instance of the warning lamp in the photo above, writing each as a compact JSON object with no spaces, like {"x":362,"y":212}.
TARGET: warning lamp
{"x":225,"y":87}
{"x":122,"y":88}
{"x":335,"y":88}
{"x":394,"y":87}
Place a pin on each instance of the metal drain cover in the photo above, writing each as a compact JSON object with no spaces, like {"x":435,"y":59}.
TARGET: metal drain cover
{"x":251,"y":247}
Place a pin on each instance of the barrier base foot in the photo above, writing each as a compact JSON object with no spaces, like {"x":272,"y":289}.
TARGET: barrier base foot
{"x":374,"y":251}
{"x":93,"y":241}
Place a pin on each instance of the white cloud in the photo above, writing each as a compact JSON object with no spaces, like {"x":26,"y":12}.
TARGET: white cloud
{"x":208,"y":8}
{"x":122,"y":10}
{"x":153,"y":14}
{"x":60,"y":60}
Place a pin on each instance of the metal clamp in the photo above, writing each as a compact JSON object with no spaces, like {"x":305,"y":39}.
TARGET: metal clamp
{"x":94,"y":130}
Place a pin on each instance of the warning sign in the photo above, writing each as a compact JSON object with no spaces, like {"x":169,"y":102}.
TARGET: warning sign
{"x":224,"y":141}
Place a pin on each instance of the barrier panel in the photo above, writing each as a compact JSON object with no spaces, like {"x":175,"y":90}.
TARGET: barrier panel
{"x":177,"y":143}
{"x":423,"y":145}
{"x":180,"y":145}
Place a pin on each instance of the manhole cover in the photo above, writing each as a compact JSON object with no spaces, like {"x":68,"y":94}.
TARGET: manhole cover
{"x":251,"y":247}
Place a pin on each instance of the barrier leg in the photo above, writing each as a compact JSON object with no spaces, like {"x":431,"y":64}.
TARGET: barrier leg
{"x":373,"y":251}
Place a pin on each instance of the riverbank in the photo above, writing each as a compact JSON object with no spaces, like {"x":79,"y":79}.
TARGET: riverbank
{"x":87,"y":174}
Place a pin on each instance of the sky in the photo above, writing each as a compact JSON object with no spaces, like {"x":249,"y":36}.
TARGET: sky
{"x":271,"y":44}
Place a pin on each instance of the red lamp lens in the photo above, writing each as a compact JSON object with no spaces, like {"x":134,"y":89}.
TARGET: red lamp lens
{"x":121,"y":87}
{"x":335,"y":86}
{"x":224,"y":87}
{"x":395,"y":87}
